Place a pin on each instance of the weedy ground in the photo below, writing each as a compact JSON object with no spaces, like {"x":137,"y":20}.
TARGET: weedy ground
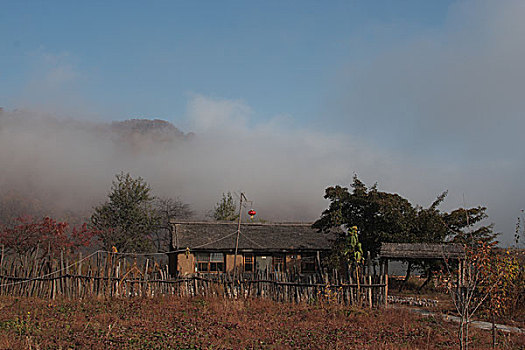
{"x":200,"y":323}
{"x":515,"y":317}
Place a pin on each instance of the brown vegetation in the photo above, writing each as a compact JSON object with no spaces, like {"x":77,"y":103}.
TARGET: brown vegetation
{"x":215,"y":323}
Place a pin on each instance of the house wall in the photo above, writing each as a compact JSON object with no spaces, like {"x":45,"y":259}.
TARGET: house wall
{"x":185,"y":263}
{"x":230,"y":259}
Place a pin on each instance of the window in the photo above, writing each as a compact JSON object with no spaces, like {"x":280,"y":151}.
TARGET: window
{"x":210,"y":262}
{"x":307,"y":263}
{"x":216,"y":262}
{"x":249,"y":263}
{"x":278,"y":263}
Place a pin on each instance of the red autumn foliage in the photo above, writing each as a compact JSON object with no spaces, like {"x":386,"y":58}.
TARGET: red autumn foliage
{"x":47,"y":235}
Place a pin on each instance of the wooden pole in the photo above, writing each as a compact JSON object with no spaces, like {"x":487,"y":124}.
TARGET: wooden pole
{"x":146,"y":278}
{"x":369,"y":272}
{"x":318,"y":258}
{"x":238,"y":234}
{"x":79,"y":272}
{"x":2,"y":261}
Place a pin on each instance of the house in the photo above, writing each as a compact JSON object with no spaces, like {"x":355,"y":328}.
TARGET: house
{"x":209,"y":247}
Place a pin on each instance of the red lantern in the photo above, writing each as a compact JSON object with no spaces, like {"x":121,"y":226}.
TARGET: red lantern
{"x":252,"y":213}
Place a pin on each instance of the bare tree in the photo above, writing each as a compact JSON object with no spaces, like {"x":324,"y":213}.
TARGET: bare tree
{"x":168,"y":209}
{"x":482,"y":280}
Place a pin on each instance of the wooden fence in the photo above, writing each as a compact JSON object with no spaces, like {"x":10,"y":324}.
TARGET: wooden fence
{"x":119,"y":275}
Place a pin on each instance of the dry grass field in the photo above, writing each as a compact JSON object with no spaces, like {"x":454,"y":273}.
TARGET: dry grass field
{"x":196,"y":323}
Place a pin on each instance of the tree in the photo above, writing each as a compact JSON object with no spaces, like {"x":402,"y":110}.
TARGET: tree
{"x":429,"y":227}
{"x":225,"y":209}
{"x":486,"y":281}
{"x":43,"y":237}
{"x":463,"y":226}
{"x":503,"y":276}
{"x":127,"y":220}
{"x":380,"y":216}
{"x":519,"y":233}
{"x":389,"y":218}
{"x":168,"y":209}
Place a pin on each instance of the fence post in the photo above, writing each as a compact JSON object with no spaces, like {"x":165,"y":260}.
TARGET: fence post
{"x":369,"y":278}
{"x":145,"y":293}
{"x":79,"y":274}
{"x":384,"y":280}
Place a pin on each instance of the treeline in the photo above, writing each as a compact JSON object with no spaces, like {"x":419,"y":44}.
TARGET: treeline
{"x":131,"y":220}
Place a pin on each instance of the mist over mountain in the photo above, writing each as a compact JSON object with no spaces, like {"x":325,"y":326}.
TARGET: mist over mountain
{"x":64,"y":166}
{"x":42,"y":152}
{"x":157,"y":131}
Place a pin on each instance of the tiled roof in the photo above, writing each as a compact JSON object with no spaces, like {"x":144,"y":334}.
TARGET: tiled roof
{"x":254,"y":236}
{"x":422,"y":250}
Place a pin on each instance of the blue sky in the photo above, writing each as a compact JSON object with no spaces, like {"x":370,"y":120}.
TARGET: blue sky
{"x":144,"y":58}
{"x":419,"y":96}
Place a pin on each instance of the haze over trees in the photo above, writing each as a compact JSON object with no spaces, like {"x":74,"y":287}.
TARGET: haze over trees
{"x":13,"y":205}
{"x":225,"y":209}
{"x":94,"y":151}
{"x":133,"y":220}
{"x":66,"y":175}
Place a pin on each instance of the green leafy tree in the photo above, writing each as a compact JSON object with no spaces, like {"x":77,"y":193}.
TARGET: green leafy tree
{"x":380,"y":216}
{"x":429,"y":227}
{"x":225,"y":209}
{"x":464,"y":226}
{"x":127,"y":220}
{"x":389,"y":218}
